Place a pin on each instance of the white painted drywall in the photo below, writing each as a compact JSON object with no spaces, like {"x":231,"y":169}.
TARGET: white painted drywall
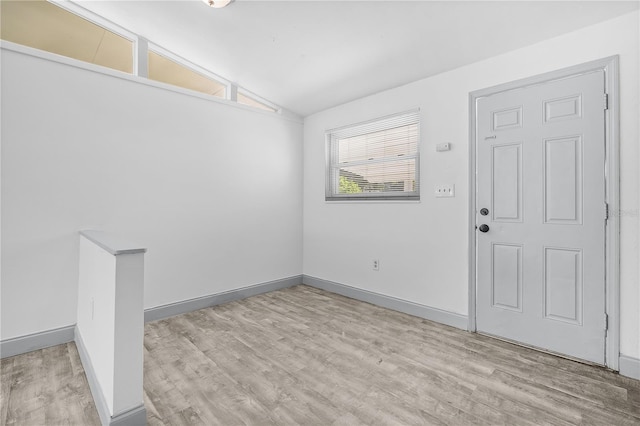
{"x":422,"y":247}
{"x":96,"y":313}
{"x":212,"y":190}
{"x":128,"y":362}
{"x":110,"y":321}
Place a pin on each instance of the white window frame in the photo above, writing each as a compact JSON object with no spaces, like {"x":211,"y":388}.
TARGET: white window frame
{"x":140,"y":51}
{"x":107,"y":25}
{"x":260,"y":100}
{"x":332,"y":170}
{"x":152,"y":47}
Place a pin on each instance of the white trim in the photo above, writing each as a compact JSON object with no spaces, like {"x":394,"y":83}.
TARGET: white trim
{"x":372,"y":125}
{"x":87,"y":66}
{"x":609,"y":66}
{"x":233,"y":93}
{"x":333,"y":166}
{"x":260,"y":100}
{"x":36,"y":341}
{"x":630,"y":367}
{"x":141,"y":58}
{"x":65,"y":60}
{"x":44,"y":339}
{"x":471,"y":310}
{"x":133,"y":417}
{"x":108,"y":25}
{"x":183,"y":306}
{"x":99,"y":398}
{"x":367,"y":201}
{"x":111,"y":243}
{"x":193,"y":67}
{"x":141,"y":47}
{"x":427,"y":312}
{"x":86,"y":14}
{"x":612,"y":274}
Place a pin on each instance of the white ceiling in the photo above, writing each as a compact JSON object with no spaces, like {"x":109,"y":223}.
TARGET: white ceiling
{"x":307,"y":56}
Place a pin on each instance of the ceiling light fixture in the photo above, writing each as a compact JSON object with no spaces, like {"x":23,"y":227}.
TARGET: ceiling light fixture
{"x":217,"y":4}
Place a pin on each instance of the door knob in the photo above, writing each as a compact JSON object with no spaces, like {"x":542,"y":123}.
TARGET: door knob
{"x":484,"y":228}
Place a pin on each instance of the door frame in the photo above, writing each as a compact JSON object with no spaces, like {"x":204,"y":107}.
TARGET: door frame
{"x":612,"y":190}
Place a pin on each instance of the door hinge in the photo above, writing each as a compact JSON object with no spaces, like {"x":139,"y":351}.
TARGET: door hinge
{"x":606,"y":211}
{"x":606,"y":101}
{"x":606,"y":321}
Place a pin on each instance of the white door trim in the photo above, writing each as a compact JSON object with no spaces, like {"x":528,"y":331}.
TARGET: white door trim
{"x":612,"y":189}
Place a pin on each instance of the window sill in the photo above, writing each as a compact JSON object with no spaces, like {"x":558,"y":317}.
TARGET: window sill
{"x":372,"y":201}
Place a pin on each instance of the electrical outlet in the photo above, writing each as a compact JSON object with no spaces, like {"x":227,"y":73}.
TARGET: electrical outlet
{"x":445,"y":190}
{"x":376,"y":265}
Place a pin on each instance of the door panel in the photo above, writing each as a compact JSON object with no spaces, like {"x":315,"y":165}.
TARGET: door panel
{"x":507,"y":119}
{"x":506,"y":183}
{"x":563,"y":284}
{"x":507,"y":276}
{"x":563,"y":109}
{"x":563,"y":180}
{"x":540,"y":171}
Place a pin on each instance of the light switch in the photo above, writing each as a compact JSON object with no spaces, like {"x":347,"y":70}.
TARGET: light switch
{"x":445,"y":190}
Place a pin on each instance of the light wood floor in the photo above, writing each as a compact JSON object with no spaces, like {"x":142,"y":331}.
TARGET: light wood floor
{"x":304,"y":356}
{"x":46,"y":387}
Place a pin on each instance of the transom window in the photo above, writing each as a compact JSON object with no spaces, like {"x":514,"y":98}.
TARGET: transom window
{"x":246,"y":99}
{"x":166,"y":70}
{"x":46,"y":26}
{"x":376,"y":160}
{"x":67,"y":29}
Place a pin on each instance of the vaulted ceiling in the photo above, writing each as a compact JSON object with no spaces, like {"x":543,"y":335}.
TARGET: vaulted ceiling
{"x":307,"y":56}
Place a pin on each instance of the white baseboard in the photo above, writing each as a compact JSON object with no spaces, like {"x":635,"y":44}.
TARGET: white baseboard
{"x":630,"y":367}
{"x":411,"y":308}
{"x":58,"y":336}
{"x":185,"y":306}
{"x":35,"y":341}
{"x":134,"y":417}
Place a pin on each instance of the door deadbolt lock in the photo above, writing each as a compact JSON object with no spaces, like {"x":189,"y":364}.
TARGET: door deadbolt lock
{"x":484,"y":212}
{"x":484,"y":228}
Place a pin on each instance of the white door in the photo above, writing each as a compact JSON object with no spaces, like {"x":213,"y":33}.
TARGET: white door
{"x":541,"y":178}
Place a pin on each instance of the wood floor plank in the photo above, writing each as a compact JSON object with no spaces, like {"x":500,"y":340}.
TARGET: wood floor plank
{"x":46,"y":387}
{"x":305,"y":356}
{"x":7,"y":382}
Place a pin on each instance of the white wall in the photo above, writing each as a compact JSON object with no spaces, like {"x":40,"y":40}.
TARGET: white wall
{"x":128,"y":360}
{"x":423,"y":247}
{"x":96,"y":314}
{"x":110,"y":322}
{"x":212,"y":190}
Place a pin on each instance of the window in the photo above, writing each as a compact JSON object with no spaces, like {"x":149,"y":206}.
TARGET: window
{"x":45,"y":26}
{"x":376,"y":160}
{"x":246,"y":99}
{"x":166,"y":70}
{"x":67,"y":29}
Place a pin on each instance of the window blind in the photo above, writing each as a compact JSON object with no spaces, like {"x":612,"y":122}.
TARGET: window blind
{"x":378,"y":159}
